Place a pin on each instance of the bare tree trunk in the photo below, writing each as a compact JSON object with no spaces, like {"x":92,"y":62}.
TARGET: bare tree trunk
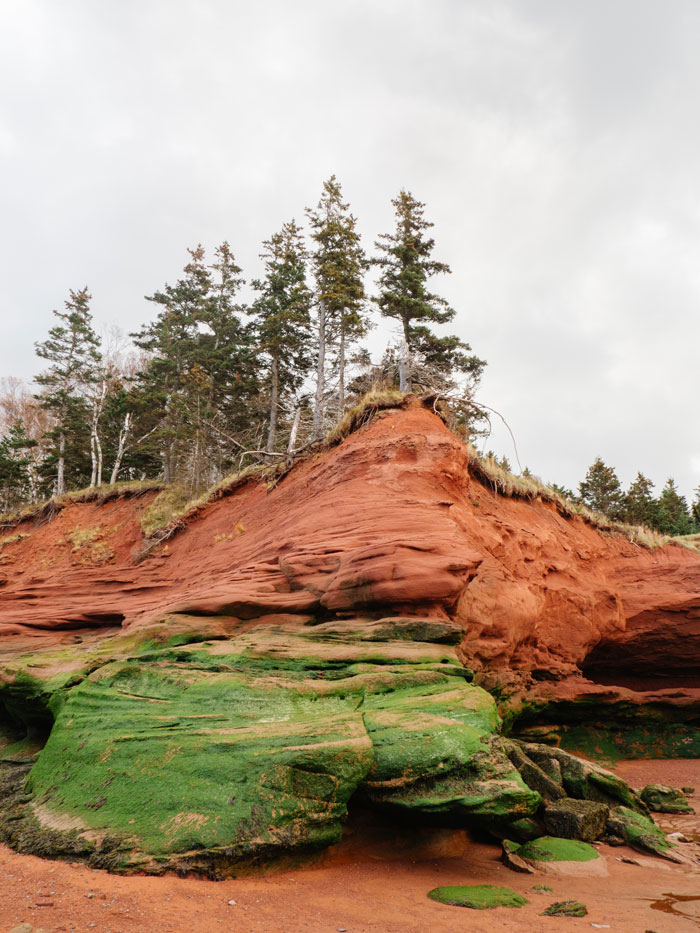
{"x":341,"y":374}
{"x":95,"y":445}
{"x":98,"y":443}
{"x":274,"y":405}
{"x":294,"y":432}
{"x":404,"y":368}
{"x":320,"y":372}
{"x":123,"y":438}
{"x":61,"y":467}
{"x":93,"y":459}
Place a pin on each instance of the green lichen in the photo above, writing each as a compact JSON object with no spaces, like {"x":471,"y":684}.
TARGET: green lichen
{"x":478,"y":896}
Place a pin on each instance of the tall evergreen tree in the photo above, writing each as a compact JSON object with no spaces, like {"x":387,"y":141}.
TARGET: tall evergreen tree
{"x":200,"y":372}
{"x":72,"y":349}
{"x":673,"y":514}
{"x":695,"y":510}
{"x":406,"y":266}
{"x":339,"y":264}
{"x":282,"y":315}
{"x":601,"y":490}
{"x":15,"y":480}
{"x":639,"y":506}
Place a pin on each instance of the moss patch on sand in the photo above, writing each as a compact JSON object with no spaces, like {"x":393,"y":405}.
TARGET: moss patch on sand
{"x":477,"y":896}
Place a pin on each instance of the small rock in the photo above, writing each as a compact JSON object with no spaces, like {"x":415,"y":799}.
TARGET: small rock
{"x":512,"y":860}
{"x":688,"y":790}
{"x":601,"y":926}
{"x":627,"y":860}
{"x":90,"y":894}
{"x":22,"y":928}
{"x":677,"y":837}
{"x":232,"y":903}
{"x":342,"y":930}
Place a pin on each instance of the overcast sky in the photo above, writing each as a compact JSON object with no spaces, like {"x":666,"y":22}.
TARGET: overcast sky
{"x":556,"y":144}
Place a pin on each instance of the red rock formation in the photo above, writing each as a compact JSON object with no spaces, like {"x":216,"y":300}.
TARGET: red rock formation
{"x":389,"y":522}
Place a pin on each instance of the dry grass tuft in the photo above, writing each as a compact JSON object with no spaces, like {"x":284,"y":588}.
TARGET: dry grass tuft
{"x":362,"y":413}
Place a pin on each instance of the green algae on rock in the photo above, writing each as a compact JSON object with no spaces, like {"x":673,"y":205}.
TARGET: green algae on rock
{"x":576,"y":819}
{"x":638,"y":831}
{"x":663,"y":799}
{"x":247,"y":748}
{"x":478,"y":896}
{"x":553,"y":849}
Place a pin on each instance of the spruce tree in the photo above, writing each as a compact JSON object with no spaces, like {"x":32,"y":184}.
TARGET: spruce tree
{"x":601,"y":490}
{"x":72,"y":349}
{"x":15,"y":480}
{"x":200,"y":372}
{"x":282,"y":315}
{"x":639,"y":506}
{"x":406,"y":266}
{"x":339,"y":264}
{"x":673,"y":514}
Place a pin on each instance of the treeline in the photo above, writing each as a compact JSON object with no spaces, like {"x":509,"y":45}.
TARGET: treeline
{"x":668,"y":512}
{"x":602,"y":492}
{"x":213,"y":382}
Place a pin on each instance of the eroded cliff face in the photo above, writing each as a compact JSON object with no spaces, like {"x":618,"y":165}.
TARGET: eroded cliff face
{"x":388,"y":522}
{"x":303,"y":628}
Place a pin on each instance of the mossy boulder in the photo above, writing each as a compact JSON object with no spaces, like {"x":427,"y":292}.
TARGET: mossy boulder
{"x":639,"y":832}
{"x":576,"y":819}
{"x":553,"y":849}
{"x":583,"y":780}
{"x":478,"y":896}
{"x":663,"y":799}
{"x":245,"y":748}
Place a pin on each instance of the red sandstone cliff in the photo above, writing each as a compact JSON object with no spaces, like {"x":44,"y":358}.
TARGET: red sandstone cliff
{"x":389,"y":522}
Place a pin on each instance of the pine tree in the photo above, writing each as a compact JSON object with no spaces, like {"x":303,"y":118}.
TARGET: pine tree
{"x":200,"y":375}
{"x":406,"y":266}
{"x":696,"y":510}
{"x":601,"y":490}
{"x":639,"y":506}
{"x":283,"y":320}
{"x":339,"y":264}
{"x":673,"y":514}
{"x":72,"y":349}
{"x":15,"y":480}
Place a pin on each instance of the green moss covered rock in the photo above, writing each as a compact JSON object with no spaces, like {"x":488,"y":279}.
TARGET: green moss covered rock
{"x":553,"y":849}
{"x":576,"y":819}
{"x":249,"y":747}
{"x":478,"y":896}
{"x":663,"y":799}
{"x":639,"y":832}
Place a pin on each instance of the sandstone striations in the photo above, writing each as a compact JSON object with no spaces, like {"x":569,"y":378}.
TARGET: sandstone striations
{"x":335,"y":637}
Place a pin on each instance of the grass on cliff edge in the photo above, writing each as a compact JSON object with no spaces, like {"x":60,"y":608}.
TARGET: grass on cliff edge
{"x":46,"y":510}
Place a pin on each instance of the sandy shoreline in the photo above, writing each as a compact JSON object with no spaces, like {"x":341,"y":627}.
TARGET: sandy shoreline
{"x":365,"y":896}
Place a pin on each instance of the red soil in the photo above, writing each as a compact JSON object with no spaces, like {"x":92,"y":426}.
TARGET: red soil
{"x":365,"y":896}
